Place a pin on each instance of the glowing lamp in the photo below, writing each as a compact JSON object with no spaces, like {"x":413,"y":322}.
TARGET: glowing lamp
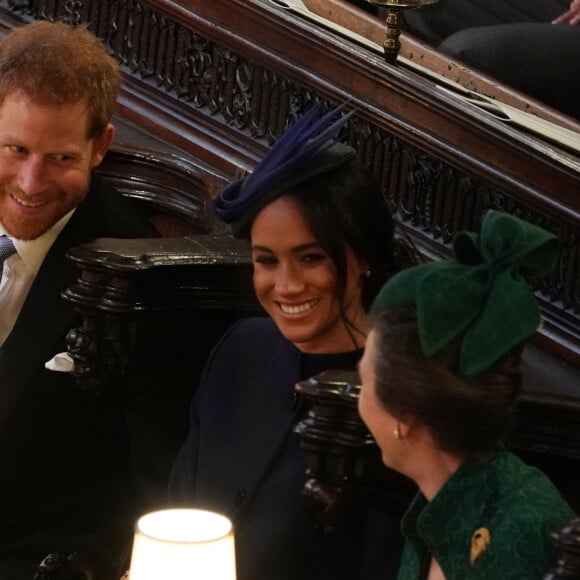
{"x":180,"y":544}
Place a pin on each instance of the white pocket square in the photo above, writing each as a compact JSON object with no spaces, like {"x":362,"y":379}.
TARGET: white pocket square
{"x":60,"y":362}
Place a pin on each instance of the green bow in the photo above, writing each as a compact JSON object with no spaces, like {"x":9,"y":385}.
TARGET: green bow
{"x":482,"y":293}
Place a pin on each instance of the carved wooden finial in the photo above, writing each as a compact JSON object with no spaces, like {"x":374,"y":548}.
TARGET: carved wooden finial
{"x":342,"y":456}
{"x":392,"y":45}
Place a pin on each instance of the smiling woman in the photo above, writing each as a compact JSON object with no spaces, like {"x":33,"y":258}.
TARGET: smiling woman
{"x":322,"y":244}
{"x":295,"y":281}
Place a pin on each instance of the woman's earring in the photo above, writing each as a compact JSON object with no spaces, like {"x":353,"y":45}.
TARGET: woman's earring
{"x":397,"y":432}
{"x":367,"y":274}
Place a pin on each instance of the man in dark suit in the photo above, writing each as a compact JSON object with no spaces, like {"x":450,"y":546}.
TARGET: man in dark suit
{"x":66,"y":456}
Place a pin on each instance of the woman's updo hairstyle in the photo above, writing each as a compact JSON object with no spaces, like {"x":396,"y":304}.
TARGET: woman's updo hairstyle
{"x":345,"y":208}
{"x":464,"y":415}
{"x":450,"y":333}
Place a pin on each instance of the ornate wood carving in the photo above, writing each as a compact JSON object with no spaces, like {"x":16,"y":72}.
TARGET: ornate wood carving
{"x":166,"y":184}
{"x":65,"y":566}
{"x":120,"y":280}
{"x":341,"y":453}
{"x":100,"y":349}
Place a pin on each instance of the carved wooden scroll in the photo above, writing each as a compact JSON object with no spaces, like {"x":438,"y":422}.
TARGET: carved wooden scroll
{"x":184,"y":290}
{"x":342,"y":456}
{"x":202,"y":281}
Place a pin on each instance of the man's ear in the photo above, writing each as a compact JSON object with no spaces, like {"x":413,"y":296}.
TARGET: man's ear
{"x":102,"y":145}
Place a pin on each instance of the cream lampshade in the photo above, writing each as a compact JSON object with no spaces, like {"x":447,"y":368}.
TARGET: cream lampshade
{"x":180,"y":544}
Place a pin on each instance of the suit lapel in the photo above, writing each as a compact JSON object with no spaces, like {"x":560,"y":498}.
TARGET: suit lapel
{"x":45,"y":317}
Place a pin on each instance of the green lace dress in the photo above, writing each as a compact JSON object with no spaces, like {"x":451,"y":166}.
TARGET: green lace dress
{"x":491,"y":520}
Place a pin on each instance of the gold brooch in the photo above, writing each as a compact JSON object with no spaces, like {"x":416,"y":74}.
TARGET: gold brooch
{"x":479,"y":542}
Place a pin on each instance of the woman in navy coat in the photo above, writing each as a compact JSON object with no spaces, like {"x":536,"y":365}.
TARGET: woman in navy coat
{"x":322,"y":244}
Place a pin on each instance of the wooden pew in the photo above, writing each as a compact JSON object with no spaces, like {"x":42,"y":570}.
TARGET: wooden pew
{"x":161,"y":302}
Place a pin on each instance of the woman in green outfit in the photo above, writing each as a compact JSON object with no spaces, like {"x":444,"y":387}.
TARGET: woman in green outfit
{"x":441,"y":382}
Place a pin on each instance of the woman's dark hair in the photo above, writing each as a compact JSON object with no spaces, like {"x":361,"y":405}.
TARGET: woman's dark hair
{"x":464,"y":415}
{"x":345,"y":208}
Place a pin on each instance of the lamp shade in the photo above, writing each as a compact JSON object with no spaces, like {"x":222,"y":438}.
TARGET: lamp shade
{"x":180,"y":544}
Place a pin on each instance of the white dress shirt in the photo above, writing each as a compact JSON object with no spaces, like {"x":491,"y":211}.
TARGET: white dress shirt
{"x":19,"y":272}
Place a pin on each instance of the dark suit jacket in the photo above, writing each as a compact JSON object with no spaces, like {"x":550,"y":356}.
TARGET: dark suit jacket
{"x":241,"y":459}
{"x":65,"y":469}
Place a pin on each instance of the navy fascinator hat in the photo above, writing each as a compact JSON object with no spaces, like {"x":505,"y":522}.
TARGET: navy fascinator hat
{"x":308,"y":148}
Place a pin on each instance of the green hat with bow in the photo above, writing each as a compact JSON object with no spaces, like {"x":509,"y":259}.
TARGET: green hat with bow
{"x":482,"y":294}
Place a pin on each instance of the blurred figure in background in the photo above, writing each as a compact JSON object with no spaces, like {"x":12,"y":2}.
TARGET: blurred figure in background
{"x":531,"y":45}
